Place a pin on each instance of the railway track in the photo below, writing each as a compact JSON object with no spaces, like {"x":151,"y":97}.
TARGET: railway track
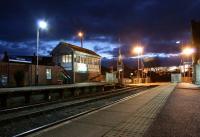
{"x":73,"y":100}
{"x":25,"y":120}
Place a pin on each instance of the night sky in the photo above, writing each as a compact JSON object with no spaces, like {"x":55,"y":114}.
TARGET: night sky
{"x":155,"y":24}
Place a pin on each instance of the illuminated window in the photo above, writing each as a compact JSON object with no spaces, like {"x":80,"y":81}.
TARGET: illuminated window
{"x":80,"y":59}
{"x":63,"y":59}
{"x":81,"y":67}
{"x":89,"y":60}
{"x":67,"y":58}
{"x":70,"y":58}
{"x":93,"y":61}
{"x":77,"y":59}
{"x":83,"y":59}
{"x":96,"y":61}
{"x":48,"y":73}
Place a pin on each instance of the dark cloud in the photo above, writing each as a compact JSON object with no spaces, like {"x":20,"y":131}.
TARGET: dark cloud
{"x":157,"y":24}
{"x":17,"y":48}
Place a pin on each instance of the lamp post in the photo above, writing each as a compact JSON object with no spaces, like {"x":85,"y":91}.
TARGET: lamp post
{"x":41,"y":25}
{"x":138,"y":50}
{"x":188,"y":51}
{"x":80,"y":34}
{"x":182,"y":59}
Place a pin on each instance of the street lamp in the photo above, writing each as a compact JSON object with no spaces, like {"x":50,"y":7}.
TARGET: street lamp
{"x":188,"y":51}
{"x":139,"y":51}
{"x":184,"y":51}
{"x":40,"y":25}
{"x":180,"y":43}
{"x":80,"y":35}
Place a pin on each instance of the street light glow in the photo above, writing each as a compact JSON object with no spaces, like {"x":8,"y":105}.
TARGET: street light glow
{"x":188,"y":51}
{"x":80,"y":34}
{"x":42,"y":24}
{"x":178,"y":42}
{"x":138,"y":49}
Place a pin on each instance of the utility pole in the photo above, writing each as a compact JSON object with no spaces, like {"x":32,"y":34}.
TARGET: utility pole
{"x":120,"y":68}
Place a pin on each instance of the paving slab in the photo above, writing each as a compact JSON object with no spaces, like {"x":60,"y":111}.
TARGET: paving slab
{"x":77,"y":129}
{"x":124,"y":107}
{"x":105,"y":118}
{"x":140,"y":121}
{"x":188,"y":86}
{"x":180,"y":117}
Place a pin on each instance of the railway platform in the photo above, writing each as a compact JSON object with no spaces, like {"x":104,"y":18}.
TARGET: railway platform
{"x":34,"y":94}
{"x":129,"y":117}
{"x":49,"y":87}
{"x":180,"y":117}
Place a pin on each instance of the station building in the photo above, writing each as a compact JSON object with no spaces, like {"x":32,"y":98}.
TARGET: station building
{"x":67,"y":64}
{"x":80,"y":64}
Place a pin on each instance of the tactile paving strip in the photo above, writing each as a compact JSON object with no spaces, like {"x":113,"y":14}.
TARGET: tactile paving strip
{"x":140,"y":121}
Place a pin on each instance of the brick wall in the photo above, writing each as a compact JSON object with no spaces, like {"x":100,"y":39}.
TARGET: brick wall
{"x":55,"y":71}
{"x":10,"y":69}
{"x":88,"y":77}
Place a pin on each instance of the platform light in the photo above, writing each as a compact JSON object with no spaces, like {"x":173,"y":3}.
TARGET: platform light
{"x":188,"y":51}
{"x":80,"y":35}
{"x":138,"y":50}
{"x":42,"y":24}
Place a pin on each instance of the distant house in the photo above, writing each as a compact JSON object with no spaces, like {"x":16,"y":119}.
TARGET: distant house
{"x":80,"y":64}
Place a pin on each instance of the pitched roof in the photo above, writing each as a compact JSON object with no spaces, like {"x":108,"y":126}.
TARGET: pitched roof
{"x":77,"y":48}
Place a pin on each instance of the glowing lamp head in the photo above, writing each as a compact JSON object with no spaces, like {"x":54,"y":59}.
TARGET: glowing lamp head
{"x":42,"y":24}
{"x":80,"y":34}
{"x":138,"y":50}
{"x":178,"y":42}
{"x":188,"y":51}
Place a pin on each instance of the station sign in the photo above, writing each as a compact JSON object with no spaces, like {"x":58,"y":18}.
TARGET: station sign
{"x":20,"y":59}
